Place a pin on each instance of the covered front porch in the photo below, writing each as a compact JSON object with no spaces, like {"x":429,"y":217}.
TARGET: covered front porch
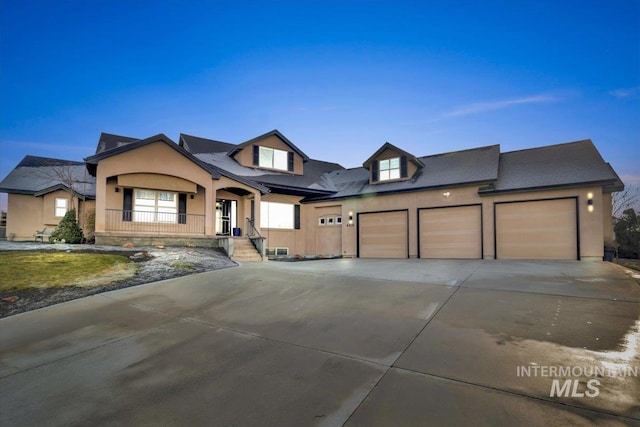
{"x":153,"y":192}
{"x":150,"y":212}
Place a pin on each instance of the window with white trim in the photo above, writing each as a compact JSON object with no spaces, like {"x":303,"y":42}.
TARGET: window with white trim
{"x":276,"y":215}
{"x":329,"y":220}
{"x":61,"y":207}
{"x":273,"y":158}
{"x":277,"y":251}
{"x":155,"y":206}
{"x":389,"y":169}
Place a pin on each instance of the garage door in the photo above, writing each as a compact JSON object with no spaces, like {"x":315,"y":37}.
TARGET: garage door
{"x":453,"y":232}
{"x":542,"y":229}
{"x":383,"y":235}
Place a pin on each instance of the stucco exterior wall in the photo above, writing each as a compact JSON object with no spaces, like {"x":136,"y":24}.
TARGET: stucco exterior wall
{"x":48,"y":206}
{"x":591,"y":228}
{"x":24,"y":216}
{"x":153,"y":159}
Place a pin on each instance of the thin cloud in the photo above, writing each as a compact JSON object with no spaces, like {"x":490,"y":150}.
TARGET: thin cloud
{"x":625,"y":92}
{"x":481,"y":107}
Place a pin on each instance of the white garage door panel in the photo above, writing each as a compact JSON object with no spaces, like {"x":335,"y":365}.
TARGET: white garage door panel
{"x":545,"y":229}
{"x":451,"y":232}
{"x":383,"y":235}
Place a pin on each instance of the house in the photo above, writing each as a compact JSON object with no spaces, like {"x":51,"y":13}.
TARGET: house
{"x":550,"y":202}
{"x":42,"y":190}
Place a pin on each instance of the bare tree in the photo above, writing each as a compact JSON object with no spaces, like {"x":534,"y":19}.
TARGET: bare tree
{"x":72,"y":176}
{"x":627,"y":199}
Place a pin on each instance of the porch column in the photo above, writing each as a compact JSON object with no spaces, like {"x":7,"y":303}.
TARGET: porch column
{"x":101,"y":203}
{"x":210,"y":210}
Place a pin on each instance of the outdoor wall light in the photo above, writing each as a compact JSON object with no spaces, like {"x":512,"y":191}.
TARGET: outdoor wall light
{"x":590,"y":202}
{"x":446,"y":193}
{"x":192,"y":197}
{"x":350,"y":223}
{"x":117,"y":190}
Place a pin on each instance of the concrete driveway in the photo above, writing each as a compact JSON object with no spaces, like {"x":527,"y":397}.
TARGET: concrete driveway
{"x":336,"y":342}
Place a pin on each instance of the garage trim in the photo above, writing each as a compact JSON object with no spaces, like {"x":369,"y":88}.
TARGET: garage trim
{"x":495,"y":229}
{"x":456,"y":206}
{"x":378,"y":212}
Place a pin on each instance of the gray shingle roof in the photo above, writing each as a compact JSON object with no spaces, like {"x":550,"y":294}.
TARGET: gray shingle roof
{"x":196,"y":145}
{"x":561,"y":165}
{"x":110,"y":141}
{"x":553,"y":166}
{"x":41,"y":175}
{"x":478,"y":165}
{"x":313,"y":178}
{"x":216,"y":172}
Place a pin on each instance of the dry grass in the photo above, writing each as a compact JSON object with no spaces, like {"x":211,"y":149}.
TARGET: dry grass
{"x":630,"y":263}
{"x":24,"y":269}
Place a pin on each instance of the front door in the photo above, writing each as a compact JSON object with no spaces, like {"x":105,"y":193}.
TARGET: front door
{"x":223,"y":217}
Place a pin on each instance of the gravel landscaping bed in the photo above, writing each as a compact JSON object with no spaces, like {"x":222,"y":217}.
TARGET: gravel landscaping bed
{"x":153,"y":265}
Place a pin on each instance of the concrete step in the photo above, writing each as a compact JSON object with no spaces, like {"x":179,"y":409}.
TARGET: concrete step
{"x":244,"y":251}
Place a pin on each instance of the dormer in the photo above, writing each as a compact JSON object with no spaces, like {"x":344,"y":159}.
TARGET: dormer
{"x":391,"y":164}
{"x":271,"y":151}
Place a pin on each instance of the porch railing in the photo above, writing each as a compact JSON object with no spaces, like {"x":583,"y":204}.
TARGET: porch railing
{"x":255,"y":237}
{"x":154,"y":222}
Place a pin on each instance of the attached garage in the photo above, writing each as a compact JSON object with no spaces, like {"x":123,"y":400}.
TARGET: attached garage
{"x":450,"y":232}
{"x":538,"y":229}
{"x":383,"y":234}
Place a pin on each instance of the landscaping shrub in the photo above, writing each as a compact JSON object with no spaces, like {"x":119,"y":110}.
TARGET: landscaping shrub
{"x":627,"y":229}
{"x":68,"y":229}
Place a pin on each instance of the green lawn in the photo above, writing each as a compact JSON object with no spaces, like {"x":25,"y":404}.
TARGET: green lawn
{"x":24,"y":269}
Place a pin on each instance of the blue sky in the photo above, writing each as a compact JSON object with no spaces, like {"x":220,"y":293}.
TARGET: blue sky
{"x":338,"y":78}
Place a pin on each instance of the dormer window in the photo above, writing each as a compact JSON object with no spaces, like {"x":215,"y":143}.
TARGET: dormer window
{"x":393,"y":169}
{"x":391,"y":164}
{"x":272,"y":158}
{"x":389,"y":169}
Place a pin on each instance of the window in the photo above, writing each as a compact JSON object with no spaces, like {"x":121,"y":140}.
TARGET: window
{"x":274,"y":159}
{"x":276,"y":215}
{"x":277,"y":251}
{"x":330,"y":220}
{"x":155,"y":206}
{"x":390,"y":169}
{"x":61,"y":207}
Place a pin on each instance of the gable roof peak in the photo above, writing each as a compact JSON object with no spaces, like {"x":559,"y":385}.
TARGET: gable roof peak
{"x":388,"y":145}
{"x":196,"y":144}
{"x":274,"y":132}
{"x":109,"y":141}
